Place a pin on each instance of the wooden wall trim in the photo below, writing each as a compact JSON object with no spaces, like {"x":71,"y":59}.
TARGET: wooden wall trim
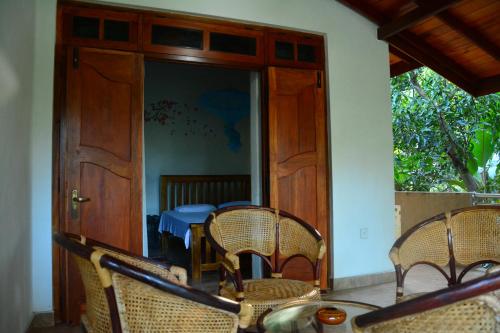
{"x":59,"y":135}
{"x":142,"y":19}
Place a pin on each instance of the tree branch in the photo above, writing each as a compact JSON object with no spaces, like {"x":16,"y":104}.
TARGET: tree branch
{"x":453,"y":149}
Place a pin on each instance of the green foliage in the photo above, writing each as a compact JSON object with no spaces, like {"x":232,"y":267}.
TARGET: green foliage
{"x":434,"y":120}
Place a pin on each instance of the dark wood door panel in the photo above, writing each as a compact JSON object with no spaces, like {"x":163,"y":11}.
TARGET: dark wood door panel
{"x":297,"y":155}
{"x":105,"y":113}
{"x":107,"y":214}
{"x":103,"y":156}
{"x":296,"y":193}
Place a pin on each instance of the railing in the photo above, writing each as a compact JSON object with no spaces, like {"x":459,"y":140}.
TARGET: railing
{"x":418,"y":206}
{"x":485,"y":198}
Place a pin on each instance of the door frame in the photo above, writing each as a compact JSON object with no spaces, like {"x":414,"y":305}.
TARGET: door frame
{"x":58,"y":160}
{"x":59,"y":140}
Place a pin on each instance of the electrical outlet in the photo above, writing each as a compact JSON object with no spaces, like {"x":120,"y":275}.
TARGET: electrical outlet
{"x":363,"y":233}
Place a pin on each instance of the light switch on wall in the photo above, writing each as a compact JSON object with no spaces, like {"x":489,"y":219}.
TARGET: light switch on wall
{"x":363,"y":233}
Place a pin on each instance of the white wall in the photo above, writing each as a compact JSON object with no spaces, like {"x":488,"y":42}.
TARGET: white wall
{"x":256,"y":156}
{"x":41,"y":155}
{"x":192,"y":140}
{"x":16,"y":66}
{"x":360,"y":118}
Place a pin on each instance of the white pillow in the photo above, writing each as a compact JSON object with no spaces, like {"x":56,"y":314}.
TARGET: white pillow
{"x":198,"y":208}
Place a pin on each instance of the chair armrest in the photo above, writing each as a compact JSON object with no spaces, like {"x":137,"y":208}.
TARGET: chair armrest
{"x":231,"y":262}
{"x":321,"y":249}
{"x":180,"y":273}
{"x":245,"y":315}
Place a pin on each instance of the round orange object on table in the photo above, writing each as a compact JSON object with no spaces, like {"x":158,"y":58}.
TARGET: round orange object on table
{"x":331,"y":316}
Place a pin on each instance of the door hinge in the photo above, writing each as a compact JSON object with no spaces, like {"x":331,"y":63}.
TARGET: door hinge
{"x":318,"y":79}
{"x":76,"y":57}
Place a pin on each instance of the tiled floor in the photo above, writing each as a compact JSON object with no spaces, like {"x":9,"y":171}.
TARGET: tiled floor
{"x":419,"y":279}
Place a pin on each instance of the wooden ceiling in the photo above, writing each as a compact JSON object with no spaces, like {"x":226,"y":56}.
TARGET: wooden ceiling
{"x":458,"y":39}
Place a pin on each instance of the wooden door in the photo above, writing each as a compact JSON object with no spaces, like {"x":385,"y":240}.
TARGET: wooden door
{"x":297,"y":155}
{"x":102,"y":128}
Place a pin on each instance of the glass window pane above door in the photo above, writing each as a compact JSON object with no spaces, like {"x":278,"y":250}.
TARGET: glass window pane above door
{"x":85,"y":27}
{"x":116,"y":30}
{"x":306,"y":53}
{"x":178,"y":37}
{"x":233,"y":44}
{"x":284,"y":50}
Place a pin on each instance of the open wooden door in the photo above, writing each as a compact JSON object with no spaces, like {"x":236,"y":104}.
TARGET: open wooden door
{"x":297,"y":155}
{"x":102,"y":130}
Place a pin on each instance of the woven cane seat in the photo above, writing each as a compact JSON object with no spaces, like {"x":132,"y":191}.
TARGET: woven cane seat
{"x":268,"y":293}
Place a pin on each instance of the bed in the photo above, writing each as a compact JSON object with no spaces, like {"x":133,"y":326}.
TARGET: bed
{"x":180,"y":190}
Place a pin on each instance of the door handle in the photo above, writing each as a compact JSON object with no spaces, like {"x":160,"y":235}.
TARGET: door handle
{"x":75,"y":200}
{"x":80,"y":199}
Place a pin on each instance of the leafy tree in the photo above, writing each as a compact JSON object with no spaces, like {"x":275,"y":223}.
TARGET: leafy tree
{"x":444,"y":139}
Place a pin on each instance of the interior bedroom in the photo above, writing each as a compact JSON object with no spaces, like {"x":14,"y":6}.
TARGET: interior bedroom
{"x":195,"y":117}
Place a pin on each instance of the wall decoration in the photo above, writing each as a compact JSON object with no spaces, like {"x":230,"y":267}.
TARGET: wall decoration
{"x":231,"y":106}
{"x":177,"y":118}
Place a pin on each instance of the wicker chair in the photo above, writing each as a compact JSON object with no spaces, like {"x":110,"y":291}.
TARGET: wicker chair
{"x":472,"y":306}
{"x":125,"y":297}
{"x":148,"y":303}
{"x":466,"y":237}
{"x":100,"y":301}
{"x":264,"y":232}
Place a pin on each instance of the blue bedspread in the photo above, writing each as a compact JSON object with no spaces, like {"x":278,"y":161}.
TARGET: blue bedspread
{"x":178,"y":223}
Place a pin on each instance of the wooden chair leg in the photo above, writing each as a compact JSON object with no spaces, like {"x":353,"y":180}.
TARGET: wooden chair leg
{"x":164,"y":243}
{"x":196,"y":233}
{"x":222,"y":277}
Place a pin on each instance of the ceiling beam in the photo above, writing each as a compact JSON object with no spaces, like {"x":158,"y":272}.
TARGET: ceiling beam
{"x":423,"y":53}
{"x":401,"y":55}
{"x":417,"y":49}
{"x":488,"y":86}
{"x":473,"y":35}
{"x":406,"y":64}
{"x":403,"y":67}
{"x":413,"y":17}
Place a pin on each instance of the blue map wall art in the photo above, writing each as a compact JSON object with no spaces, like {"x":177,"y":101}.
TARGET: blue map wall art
{"x":231,"y":106}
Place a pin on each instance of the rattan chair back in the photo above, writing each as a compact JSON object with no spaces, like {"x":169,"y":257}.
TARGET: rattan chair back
{"x":296,"y":239}
{"x":476,"y":235}
{"x":97,"y":317}
{"x":147,"y":302}
{"x":468,"y":236}
{"x":267,"y":233}
{"x":239,"y":230}
{"x":473,"y":306}
{"x":170,"y":272}
{"x":101,"y":314}
{"x":427,"y":244}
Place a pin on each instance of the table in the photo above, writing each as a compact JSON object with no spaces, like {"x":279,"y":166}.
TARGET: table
{"x":197,"y":241}
{"x":300,"y":316}
{"x":197,"y":265}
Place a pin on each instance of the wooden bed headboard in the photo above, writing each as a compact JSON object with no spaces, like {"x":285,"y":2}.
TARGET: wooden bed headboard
{"x":179,"y":190}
